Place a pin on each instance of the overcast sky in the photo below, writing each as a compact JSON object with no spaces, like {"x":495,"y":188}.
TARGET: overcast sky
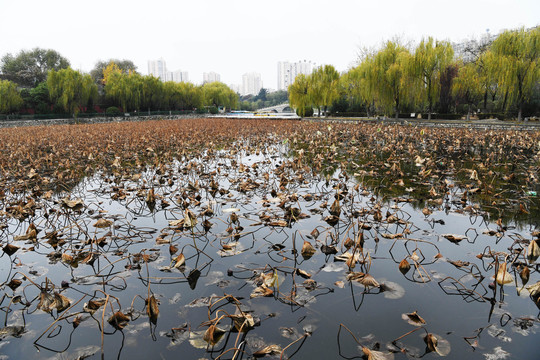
{"x":232,"y":37}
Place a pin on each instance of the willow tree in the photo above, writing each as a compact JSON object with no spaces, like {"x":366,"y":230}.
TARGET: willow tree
{"x":518,"y":72}
{"x":486,"y":65}
{"x":391,"y":80}
{"x":218,"y":94}
{"x":361,"y":83}
{"x":71,"y":89}
{"x":429,"y":60}
{"x":10,"y":99}
{"x":467,"y":86}
{"x":299,"y":94}
{"x":124,"y":88}
{"x":324,"y":83}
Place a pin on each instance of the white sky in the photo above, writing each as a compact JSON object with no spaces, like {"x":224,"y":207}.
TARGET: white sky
{"x":232,"y":37}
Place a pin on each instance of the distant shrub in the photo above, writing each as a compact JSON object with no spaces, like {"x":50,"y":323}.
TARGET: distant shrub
{"x":113,"y":110}
{"x":308,"y":111}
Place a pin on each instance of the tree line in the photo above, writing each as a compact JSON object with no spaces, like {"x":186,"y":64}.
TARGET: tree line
{"x":42,"y":81}
{"x":496,"y":76}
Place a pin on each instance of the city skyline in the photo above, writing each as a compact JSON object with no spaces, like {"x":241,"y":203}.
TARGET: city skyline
{"x":231,"y":38}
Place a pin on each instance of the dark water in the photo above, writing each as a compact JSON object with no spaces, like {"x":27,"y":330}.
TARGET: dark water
{"x":456,"y":302}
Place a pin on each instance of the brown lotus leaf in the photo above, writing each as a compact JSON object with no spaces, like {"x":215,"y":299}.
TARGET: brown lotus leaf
{"x":392,"y":236}
{"x":242,"y":321}
{"x":525,"y":274}
{"x":152,"y":308}
{"x":103,"y":223}
{"x":335,"y":208}
{"x":179,"y":261}
{"x":72,"y":204}
{"x":503,"y":276}
{"x":10,"y":249}
{"x":307,"y":250}
{"x":93,"y":305}
{"x":46,"y":302}
{"x":61,"y":302}
{"x":348,"y":243}
{"x":278,"y":223}
{"x":268,"y":350}
{"x":14,"y":284}
{"x":303,"y":273}
{"x":404,"y":266}
{"x":261,"y":291}
{"x":118,"y":320}
{"x":437,"y":344}
{"x":413,"y":318}
{"x":331,"y":220}
{"x":173,"y":249}
{"x":369,"y":281}
{"x":315,"y":233}
{"x":533,"y":251}
{"x":213,"y":334}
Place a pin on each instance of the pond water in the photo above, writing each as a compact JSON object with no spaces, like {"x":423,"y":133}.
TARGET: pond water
{"x":222,"y":243}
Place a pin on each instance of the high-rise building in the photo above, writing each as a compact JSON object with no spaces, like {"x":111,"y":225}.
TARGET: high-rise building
{"x":288,"y":71}
{"x":211,"y":77}
{"x":158,"y":68}
{"x":251,"y":83}
{"x":178,"y":76}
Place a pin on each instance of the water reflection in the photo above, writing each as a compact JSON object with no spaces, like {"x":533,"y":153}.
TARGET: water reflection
{"x":241,"y":254}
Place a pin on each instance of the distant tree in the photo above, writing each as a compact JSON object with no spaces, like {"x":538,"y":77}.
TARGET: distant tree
{"x":299,"y":95}
{"x":262,"y":94}
{"x":517,"y":52}
{"x":71,"y":89}
{"x":29,"y":68}
{"x":10,"y":100}
{"x":218,"y":94}
{"x":37,"y":98}
{"x":392,"y":82}
{"x":430,"y":59}
{"x":445,"y":94}
{"x":467,"y":86}
{"x":324,"y":87}
{"x":98,"y":74}
{"x":360,"y":84}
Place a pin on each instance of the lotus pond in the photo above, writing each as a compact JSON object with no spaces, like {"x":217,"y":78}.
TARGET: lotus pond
{"x":242,"y":239}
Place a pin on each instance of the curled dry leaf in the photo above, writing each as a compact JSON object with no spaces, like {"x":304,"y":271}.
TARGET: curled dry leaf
{"x":268,"y":350}
{"x":152,"y":308}
{"x":413,"y":319}
{"x":118,"y":320}
{"x":213,"y":334}
{"x":307,"y":250}
{"x":179,"y":261}
{"x":103,"y":223}
{"x":404,"y":266}
{"x":503,"y":276}
{"x":533,"y":251}
{"x":10,"y":249}
{"x":437,"y":344}
{"x":524,"y":274}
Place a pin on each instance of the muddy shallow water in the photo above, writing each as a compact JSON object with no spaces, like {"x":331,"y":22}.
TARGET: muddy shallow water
{"x":250,"y":253}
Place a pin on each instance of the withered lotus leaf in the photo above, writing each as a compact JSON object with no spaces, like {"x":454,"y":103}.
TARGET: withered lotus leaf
{"x":335,"y":208}
{"x":368,"y":281}
{"x":118,"y":320}
{"x":435,"y":343}
{"x":307,"y":250}
{"x":10,"y":249}
{"x":376,"y":355}
{"x":61,"y":302}
{"x":404,"y":266}
{"x":72,"y":204}
{"x":303,"y":273}
{"x":213,"y":334}
{"x":533,"y":251}
{"x":268,"y":350}
{"x":413,"y":318}
{"x":93,"y":305}
{"x":261,"y":291}
{"x":179,"y":261}
{"x":278,"y":223}
{"x":103,"y":223}
{"x":243,"y":321}
{"x":525,"y":274}
{"x":14,"y":284}
{"x":152,"y":308}
{"x":46,"y":302}
{"x":503,"y":276}
{"x":454,"y":237}
{"x":315,"y":233}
